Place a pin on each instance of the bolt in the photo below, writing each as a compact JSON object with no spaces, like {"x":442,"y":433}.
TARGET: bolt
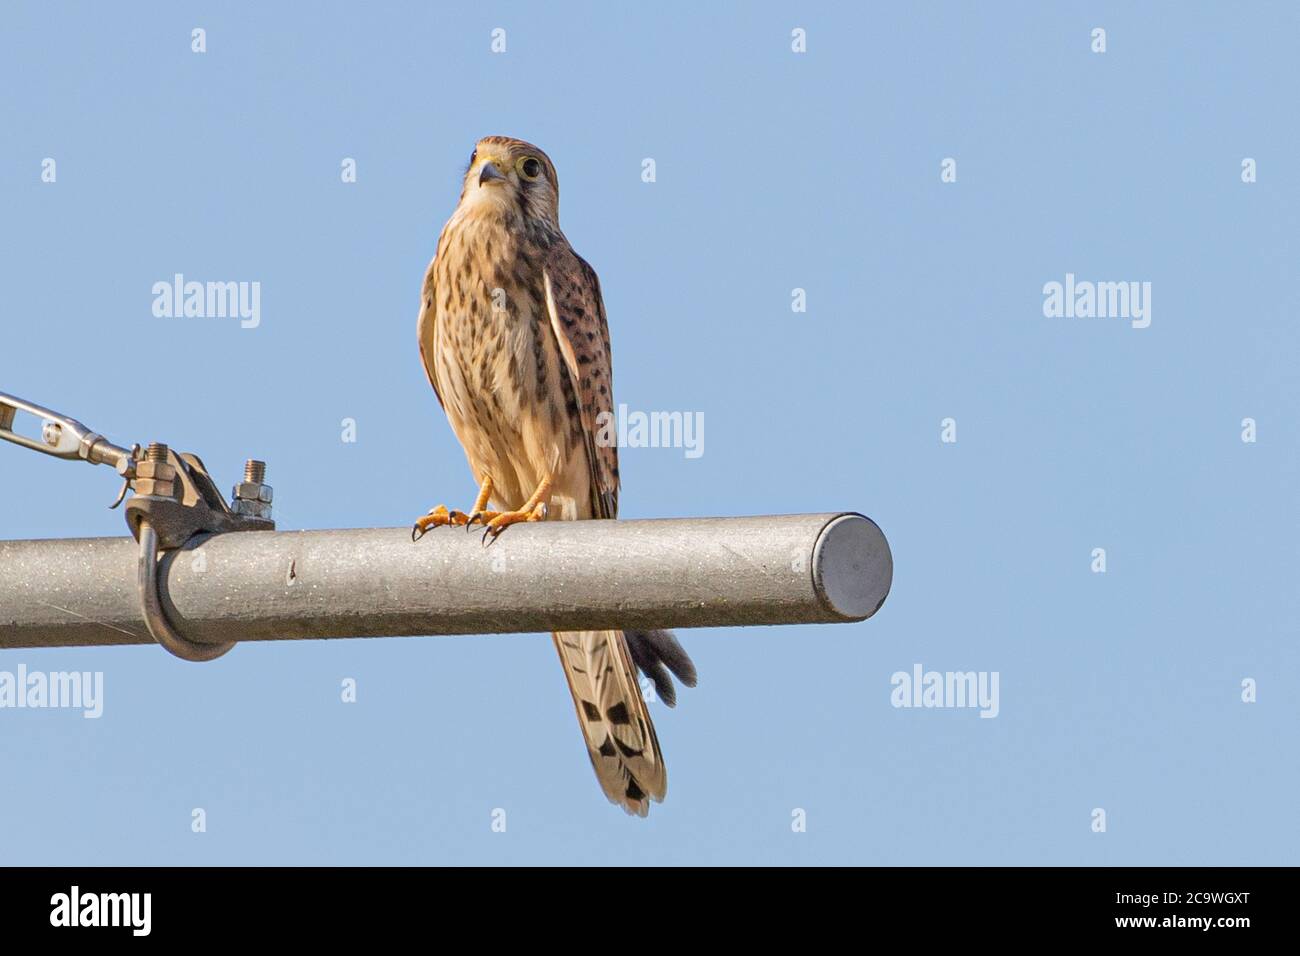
{"x":155,"y":476}
{"x":155,"y":466}
{"x":50,"y":433}
{"x":252,"y":497}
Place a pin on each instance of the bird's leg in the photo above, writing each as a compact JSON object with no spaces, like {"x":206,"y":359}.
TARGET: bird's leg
{"x":441,"y":516}
{"x":534,"y":509}
{"x":479,"y":512}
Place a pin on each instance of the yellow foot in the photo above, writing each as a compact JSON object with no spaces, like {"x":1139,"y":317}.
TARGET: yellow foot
{"x":436,"y":518}
{"x":439,"y":516}
{"x":506,"y":518}
{"x":479,"y":517}
{"x":534,"y":509}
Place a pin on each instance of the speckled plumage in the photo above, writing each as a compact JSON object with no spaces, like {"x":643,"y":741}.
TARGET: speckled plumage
{"x":514,"y":338}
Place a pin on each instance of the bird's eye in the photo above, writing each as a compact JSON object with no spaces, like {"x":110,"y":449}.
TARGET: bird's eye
{"x":473,"y":157}
{"x":530,"y":168}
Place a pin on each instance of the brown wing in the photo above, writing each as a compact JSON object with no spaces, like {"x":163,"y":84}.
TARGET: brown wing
{"x":612,"y":713}
{"x":426,"y":327}
{"x":577,"y":315}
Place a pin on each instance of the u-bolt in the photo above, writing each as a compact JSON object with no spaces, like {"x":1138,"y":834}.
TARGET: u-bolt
{"x":155,"y":619}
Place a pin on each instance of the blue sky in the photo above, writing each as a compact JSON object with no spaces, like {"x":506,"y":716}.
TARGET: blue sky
{"x":774,"y":171}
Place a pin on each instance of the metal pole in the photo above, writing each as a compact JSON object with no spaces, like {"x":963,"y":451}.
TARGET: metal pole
{"x":557,"y":575}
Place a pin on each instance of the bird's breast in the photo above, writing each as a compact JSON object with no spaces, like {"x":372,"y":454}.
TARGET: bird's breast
{"x":499,"y":367}
{"x":492,"y":311}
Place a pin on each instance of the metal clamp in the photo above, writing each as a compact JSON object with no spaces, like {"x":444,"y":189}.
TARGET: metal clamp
{"x":175,"y":499}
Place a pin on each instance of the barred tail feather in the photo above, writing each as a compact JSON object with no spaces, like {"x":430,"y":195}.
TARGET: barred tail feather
{"x":613,"y":716}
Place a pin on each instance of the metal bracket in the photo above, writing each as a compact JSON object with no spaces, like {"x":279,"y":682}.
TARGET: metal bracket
{"x":182,"y":501}
{"x":174,"y":499}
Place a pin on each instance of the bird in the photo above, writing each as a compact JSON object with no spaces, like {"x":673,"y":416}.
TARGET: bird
{"x":515,"y":342}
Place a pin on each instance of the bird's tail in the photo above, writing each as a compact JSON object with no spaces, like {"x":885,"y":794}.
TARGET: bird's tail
{"x":613,"y":716}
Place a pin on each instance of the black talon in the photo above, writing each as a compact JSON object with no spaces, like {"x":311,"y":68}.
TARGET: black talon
{"x":416,"y":533}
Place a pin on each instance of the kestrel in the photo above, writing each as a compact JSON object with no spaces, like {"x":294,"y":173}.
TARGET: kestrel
{"x":514,"y":340}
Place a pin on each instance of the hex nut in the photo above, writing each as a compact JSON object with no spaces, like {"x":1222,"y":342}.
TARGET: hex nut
{"x":155,"y":469}
{"x":252,"y":491}
{"x":247,"y":491}
{"x":250,"y":509}
{"x":155,"y":486}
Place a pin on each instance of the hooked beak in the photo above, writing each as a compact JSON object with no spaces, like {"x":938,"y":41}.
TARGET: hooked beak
{"x":488,"y":173}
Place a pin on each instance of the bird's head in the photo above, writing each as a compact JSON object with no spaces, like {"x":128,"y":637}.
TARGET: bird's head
{"x":508,"y":175}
